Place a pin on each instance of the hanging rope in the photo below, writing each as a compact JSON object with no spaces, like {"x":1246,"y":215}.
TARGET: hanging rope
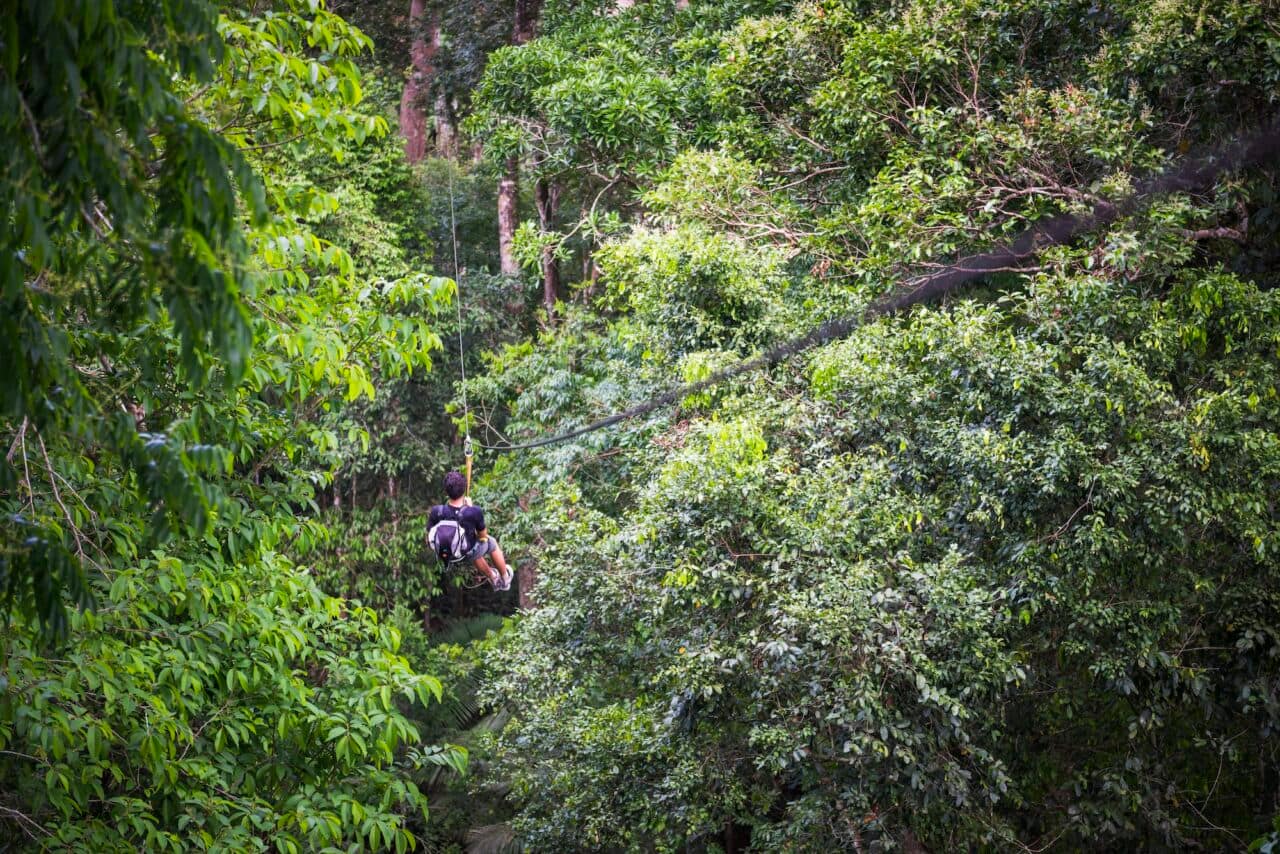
{"x":468,"y":448}
{"x":1193,"y":174}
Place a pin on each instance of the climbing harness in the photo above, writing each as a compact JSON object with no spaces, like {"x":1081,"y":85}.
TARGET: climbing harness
{"x":1194,"y":174}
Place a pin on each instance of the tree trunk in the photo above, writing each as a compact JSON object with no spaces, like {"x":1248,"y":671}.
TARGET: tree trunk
{"x":527,"y":577}
{"x":422,"y":53}
{"x":547,"y":196}
{"x":550,"y":279}
{"x":527,"y":12}
{"x":509,"y":185}
{"x":526,"y":581}
{"x":593,"y":278}
{"x":446,"y":135}
{"x":911,"y":844}
{"x":508,"y":217}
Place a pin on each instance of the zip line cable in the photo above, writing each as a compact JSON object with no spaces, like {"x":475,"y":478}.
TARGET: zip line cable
{"x":1194,"y":174}
{"x":457,"y":292}
{"x":468,"y":450}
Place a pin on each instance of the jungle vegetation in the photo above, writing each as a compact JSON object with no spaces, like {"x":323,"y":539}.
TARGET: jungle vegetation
{"x":996,"y":572}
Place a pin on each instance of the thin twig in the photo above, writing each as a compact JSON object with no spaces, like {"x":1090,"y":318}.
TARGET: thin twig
{"x":57,"y":496}
{"x":13,"y":449}
{"x":31,"y":120}
{"x":1220,"y":233}
{"x":23,"y":821}
{"x":1062,"y":530}
{"x":265,"y":145}
{"x":26,"y":471}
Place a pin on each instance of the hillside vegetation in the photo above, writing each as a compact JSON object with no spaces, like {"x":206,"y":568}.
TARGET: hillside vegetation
{"x":999,"y":571}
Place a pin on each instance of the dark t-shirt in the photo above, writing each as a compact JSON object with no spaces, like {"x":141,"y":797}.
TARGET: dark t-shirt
{"x":472,"y":518}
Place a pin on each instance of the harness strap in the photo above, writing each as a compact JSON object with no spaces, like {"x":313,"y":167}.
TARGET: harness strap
{"x":468,"y":452}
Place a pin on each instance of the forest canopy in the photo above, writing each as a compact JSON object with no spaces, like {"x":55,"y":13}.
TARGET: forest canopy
{"x":996,"y":572}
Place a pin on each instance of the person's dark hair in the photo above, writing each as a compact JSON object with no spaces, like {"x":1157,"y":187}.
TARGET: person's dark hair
{"x":455,"y":485}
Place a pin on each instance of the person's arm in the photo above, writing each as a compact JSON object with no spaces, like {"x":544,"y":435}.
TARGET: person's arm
{"x":476,"y":515}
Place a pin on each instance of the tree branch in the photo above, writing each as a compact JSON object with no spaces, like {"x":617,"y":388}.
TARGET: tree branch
{"x":1219,"y":233}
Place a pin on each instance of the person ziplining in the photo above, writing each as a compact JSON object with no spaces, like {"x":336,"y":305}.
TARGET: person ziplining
{"x":457,"y":533}
{"x":456,"y":530}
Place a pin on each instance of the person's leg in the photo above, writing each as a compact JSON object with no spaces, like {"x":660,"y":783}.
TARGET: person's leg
{"x":489,"y":548}
{"x":494,"y":576}
{"x":500,"y":559}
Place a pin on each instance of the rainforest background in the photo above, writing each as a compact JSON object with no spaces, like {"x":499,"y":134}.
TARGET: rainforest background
{"x":999,"y":572}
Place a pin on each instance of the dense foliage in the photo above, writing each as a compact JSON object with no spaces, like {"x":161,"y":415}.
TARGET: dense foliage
{"x":179,"y":337}
{"x":996,"y":573}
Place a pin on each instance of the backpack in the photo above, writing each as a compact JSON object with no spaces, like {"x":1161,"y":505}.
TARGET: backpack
{"x":448,"y":538}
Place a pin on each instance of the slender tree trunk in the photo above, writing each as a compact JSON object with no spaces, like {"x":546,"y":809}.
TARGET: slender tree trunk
{"x":527,"y":12}
{"x":547,"y":196}
{"x":509,"y":186}
{"x":508,"y":217}
{"x":446,"y":127}
{"x":550,"y":279}
{"x":446,"y":134}
{"x":593,"y":279}
{"x":911,"y":844}
{"x":526,"y":581}
{"x":527,"y":577}
{"x":422,"y":54}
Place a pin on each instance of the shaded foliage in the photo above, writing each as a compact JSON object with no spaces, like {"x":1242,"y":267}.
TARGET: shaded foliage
{"x":183,"y":338}
{"x":997,"y":573}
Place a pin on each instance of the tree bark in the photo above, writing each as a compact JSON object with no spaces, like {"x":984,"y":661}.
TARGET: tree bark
{"x":446,"y":132}
{"x":547,"y":196}
{"x":508,"y":217}
{"x":522,"y":30}
{"x":526,"y":581}
{"x":550,"y":279}
{"x":527,"y":577}
{"x":911,"y":844}
{"x":413,"y":118}
{"x":527,"y":12}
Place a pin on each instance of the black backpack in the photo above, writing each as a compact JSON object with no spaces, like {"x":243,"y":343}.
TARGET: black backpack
{"x":448,"y":538}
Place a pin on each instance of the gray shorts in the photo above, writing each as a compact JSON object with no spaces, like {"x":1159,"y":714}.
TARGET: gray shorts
{"x":483,"y":548}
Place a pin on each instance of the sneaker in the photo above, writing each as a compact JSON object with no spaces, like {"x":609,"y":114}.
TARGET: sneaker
{"x":506,"y":579}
